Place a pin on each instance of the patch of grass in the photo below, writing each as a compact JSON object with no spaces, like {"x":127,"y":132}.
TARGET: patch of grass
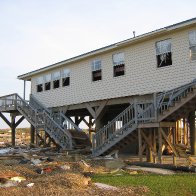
{"x":179,"y":184}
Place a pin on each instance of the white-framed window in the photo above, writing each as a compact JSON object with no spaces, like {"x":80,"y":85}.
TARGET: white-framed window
{"x":118,"y":64}
{"x":192,"y":45}
{"x":56,"y":79}
{"x":163,"y":53}
{"x":96,"y":70}
{"x":65,"y":75}
{"x":47,"y":80}
{"x":39,"y":83}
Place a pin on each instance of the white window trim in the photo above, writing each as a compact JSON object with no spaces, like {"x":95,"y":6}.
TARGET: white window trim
{"x":65,"y":73}
{"x":39,"y":80}
{"x":161,"y":49}
{"x":47,"y":78}
{"x":56,"y":75}
{"x":96,"y":67}
{"x":120,"y":61}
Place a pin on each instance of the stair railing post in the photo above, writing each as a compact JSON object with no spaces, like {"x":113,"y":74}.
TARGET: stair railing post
{"x":93,"y":140}
{"x":44,"y":119}
{"x":15,"y":100}
{"x":155,"y":106}
{"x":35,"y":118}
{"x":135,"y":111}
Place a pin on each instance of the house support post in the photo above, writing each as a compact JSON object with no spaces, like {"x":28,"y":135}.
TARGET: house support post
{"x":24,"y":92}
{"x":77,"y":121}
{"x":13,"y":128}
{"x":192,"y":132}
{"x":90,"y":127}
{"x":140,"y":145}
{"x":160,"y":145}
{"x":149,"y":145}
{"x":32,"y":134}
{"x":149,"y":153}
{"x":154,"y":145}
{"x":13,"y":124}
{"x":174,"y":142}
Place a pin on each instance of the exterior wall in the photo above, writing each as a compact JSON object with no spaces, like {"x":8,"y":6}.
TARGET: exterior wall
{"x":141,"y":74}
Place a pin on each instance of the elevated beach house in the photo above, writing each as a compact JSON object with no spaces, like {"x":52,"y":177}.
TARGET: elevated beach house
{"x":132,"y":95}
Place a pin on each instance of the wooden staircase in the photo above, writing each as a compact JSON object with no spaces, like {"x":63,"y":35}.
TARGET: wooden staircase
{"x":167,"y":106}
{"x":56,"y":125}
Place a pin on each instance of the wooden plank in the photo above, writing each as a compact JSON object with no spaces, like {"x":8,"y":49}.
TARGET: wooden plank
{"x":160,"y":145}
{"x":13,"y":127}
{"x":101,"y":107}
{"x":167,"y":124}
{"x":148,"y":125}
{"x":148,"y":141}
{"x":91,"y":110}
{"x":19,"y":121}
{"x":154,"y":144}
{"x":169,"y":143}
{"x":5,"y":119}
{"x":140,"y":145}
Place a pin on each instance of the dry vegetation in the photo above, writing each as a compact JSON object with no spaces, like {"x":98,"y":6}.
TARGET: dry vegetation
{"x":57,"y":181}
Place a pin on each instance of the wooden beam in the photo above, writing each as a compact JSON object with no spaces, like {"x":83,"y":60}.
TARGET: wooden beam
{"x":154,"y":144}
{"x":148,"y":125}
{"x":140,"y":144}
{"x":98,"y":110}
{"x":169,"y":143}
{"x":167,"y":124}
{"x":32,"y":134}
{"x":19,"y":121}
{"x":93,"y":122}
{"x":143,"y":147}
{"x":174,"y":141}
{"x":64,"y":109}
{"x":101,"y":107}
{"x":5,"y":119}
{"x":160,"y":145}
{"x":80,"y":120}
{"x":13,"y":127}
{"x":85,"y":121}
{"x":91,"y":110}
{"x":148,"y":141}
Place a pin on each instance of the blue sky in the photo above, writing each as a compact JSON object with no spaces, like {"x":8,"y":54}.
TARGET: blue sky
{"x":37,"y":33}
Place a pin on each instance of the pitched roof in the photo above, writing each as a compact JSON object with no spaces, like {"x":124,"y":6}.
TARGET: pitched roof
{"x":27,"y":76}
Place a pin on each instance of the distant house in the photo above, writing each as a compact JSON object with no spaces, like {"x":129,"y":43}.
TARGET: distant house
{"x":118,"y":83}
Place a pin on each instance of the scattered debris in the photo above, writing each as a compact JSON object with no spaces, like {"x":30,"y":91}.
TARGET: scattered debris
{"x":18,"y":179}
{"x":105,"y":186}
{"x":30,"y":184}
{"x":35,"y":161}
{"x":113,"y":154}
{"x":84,"y":163}
{"x":151,"y":170}
{"x":10,"y":180}
{"x":65,"y":167}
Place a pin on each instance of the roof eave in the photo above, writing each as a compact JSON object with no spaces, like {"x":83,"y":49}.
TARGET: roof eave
{"x":28,"y":76}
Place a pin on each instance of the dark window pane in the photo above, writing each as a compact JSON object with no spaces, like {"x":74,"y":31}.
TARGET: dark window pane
{"x":164,"y":59}
{"x":96,"y":75}
{"x":193,"y":53}
{"x":56,"y":83}
{"x":39,"y":87}
{"x":66,"y":81}
{"x":47,"y":86}
{"x":119,"y":70}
